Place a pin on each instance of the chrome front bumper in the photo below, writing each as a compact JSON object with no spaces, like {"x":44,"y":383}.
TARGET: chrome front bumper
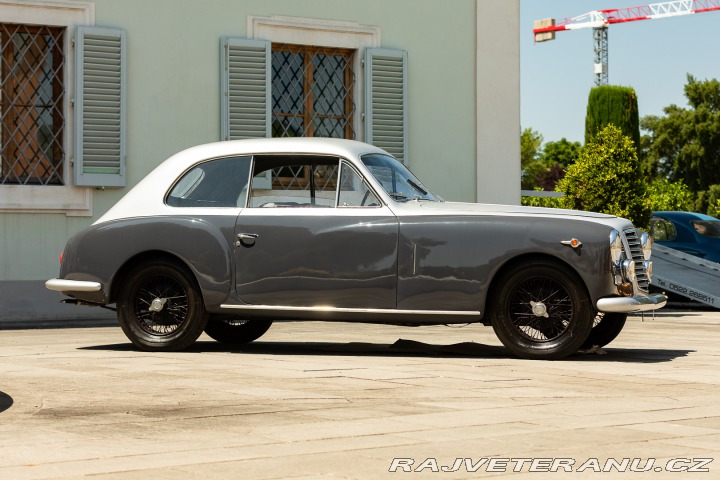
{"x":60,"y":285}
{"x":632,"y":304}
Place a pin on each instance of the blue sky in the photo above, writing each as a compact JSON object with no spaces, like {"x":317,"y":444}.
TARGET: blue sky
{"x":652,"y":56}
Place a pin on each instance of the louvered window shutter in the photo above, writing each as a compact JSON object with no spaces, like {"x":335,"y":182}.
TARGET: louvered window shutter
{"x":100,"y":107}
{"x":386,"y":103}
{"x":245,"y":88}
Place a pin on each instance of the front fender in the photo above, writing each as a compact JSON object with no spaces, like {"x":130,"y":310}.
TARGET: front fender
{"x":451,"y":262}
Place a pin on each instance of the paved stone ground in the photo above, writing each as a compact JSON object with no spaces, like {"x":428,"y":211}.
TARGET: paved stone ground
{"x":331,"y":401}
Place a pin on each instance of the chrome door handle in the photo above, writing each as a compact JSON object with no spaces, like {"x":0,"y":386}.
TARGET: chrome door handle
{"x":246,"y":239}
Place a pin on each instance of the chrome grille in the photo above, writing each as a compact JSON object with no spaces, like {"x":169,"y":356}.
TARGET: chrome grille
{"x":636,"y":254}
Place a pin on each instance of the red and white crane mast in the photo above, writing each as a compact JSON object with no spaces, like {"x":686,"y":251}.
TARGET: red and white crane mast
{"x":599,"y":20}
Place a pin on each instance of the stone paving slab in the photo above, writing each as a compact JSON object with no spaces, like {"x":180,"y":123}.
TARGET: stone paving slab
{"x":328,"y":401}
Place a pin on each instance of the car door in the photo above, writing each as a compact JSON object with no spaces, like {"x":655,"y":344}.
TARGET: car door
{"x":315,"y":235}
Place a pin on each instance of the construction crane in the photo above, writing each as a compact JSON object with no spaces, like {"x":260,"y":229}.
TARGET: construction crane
{"x":599,"y":20}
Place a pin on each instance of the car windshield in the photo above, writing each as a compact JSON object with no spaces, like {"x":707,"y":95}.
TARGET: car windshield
{"x":707,"y":228}
{"x":396,"y":179}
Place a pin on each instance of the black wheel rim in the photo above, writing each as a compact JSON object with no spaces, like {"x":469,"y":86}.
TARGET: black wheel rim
{"x":160,"y":305}
{"x":541,"y":309}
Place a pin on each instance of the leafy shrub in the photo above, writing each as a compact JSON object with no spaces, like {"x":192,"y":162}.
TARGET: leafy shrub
{"x":607,"y":178}
{"x":666,"y":195}
{"x":547,"y":202}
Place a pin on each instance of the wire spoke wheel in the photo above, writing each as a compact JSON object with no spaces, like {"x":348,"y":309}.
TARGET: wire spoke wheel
{"x":540,"y":310}
{"x":160,"y":307}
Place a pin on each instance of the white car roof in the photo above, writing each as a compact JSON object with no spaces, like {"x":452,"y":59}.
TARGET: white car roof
{"x":147,"y":197}
{"x":301,"y":145}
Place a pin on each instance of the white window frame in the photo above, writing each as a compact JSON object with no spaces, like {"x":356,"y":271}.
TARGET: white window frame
{"x":67,"y":198}
{"x":324,"y":33}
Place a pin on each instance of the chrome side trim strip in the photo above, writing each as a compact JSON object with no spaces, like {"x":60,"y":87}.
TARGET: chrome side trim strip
{"x":350,"y":310}
{"x":61,"y":285}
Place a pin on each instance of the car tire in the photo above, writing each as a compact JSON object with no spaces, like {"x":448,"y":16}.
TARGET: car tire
{"x":235,"y":331}
{"x":607,"y":326}
{"x":160,"y":308}
{"x":541,"y":310}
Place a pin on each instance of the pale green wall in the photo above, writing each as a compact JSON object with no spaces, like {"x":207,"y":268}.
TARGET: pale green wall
{"x":173,"y":95}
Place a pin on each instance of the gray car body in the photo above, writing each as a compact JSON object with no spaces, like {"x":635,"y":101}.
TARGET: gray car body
{"x":401,"y":262}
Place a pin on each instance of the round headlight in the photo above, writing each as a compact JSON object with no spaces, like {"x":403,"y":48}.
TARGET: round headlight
{"x":616,"y":246}
{"x":646,"y":241}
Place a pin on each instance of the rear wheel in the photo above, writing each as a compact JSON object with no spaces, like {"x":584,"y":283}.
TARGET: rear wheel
{"x":160,"y":308}
{"x":541,"y":311}
{"x":606,"y":327}
{"x":234,"y":331}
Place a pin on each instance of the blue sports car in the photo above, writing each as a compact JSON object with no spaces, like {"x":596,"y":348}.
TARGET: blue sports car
{"x":692,"y":233}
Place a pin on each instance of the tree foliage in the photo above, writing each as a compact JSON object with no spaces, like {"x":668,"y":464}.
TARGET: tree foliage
{"x":685,"y":143}
{"x":708,"y":201}
{"x":609,"y":104}
{"x":530,"y":142}
{"x":666,"y":195}
{"x":607,"y":178}
{"x":563,"y":152}
{"x":548,"y":164}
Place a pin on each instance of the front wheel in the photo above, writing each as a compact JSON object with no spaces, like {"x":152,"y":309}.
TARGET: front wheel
{"x":160,"y":308}
{"x":235,"y":331}
{"x":606,"y":327}
{"x":541,"y":311}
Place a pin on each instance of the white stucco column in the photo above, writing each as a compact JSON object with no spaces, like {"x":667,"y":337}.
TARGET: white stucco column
{"x":498,"y":101}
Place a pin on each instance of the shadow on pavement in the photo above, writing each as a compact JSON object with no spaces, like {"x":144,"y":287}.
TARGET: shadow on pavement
{"x":411,"y":348}
{"x":6,"y":401}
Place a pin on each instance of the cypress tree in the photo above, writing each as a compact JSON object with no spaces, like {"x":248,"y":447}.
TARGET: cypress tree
{"x":609,"y":104}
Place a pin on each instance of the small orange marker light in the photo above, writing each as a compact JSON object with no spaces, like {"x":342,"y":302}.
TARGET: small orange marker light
{"x":62,"y":255}
{"x":573,"y":243}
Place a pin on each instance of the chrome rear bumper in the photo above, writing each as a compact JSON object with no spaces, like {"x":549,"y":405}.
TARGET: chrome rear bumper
{"x":60,"y":285}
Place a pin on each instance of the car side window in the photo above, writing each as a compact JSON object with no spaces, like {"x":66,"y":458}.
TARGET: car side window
{"x":221,"y":182}
{"x":662,"y":230}
{"x":294,"y":182}
{"x":707,"y":228}
{"x":353,"y":191}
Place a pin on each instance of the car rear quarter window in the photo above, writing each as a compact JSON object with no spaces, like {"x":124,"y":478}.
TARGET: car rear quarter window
{"x":222,"y":182}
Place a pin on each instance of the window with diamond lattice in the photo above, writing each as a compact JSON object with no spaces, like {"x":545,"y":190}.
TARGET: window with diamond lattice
{"x":31,"y":104}
{"x":312,"y":91}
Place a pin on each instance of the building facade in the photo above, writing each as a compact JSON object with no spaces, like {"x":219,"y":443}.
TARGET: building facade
{"x":95,"y":94}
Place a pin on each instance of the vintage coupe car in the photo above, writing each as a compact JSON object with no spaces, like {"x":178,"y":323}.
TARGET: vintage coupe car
{"x":228,"y":237}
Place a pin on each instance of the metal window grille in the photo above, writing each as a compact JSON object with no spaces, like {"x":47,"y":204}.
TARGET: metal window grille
{"x":312,"y":91}
{"x":32,"y":95}
{"x":312,"y":96}
{"x":298,"y":177}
